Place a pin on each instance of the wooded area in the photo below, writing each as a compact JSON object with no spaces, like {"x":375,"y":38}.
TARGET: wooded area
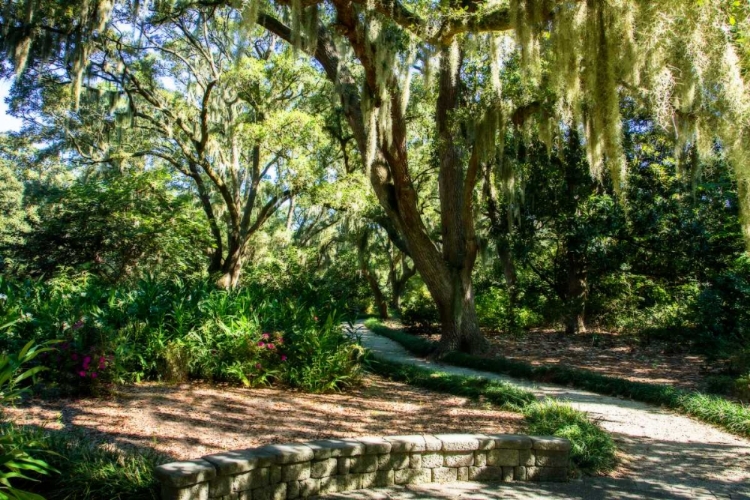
{"x":208,"y":189}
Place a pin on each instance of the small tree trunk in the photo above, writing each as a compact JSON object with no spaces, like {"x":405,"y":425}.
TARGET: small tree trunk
{"x":576,"y":295}
{"x":290,"y":214}
{"x":377,"y":294}
{"x":511,"y":281}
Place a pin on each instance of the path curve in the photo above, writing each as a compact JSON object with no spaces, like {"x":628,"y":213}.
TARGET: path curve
{"x":664,"y":455}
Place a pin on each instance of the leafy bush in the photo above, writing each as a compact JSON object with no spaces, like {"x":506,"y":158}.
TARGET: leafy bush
{"x":418,"y":308}
{"x":592,"y":450}
{"x":493,"y":309}
{"x":91,"y":470}
{"x":16,"y":459}
{"x":173,"y":329}
{"x":721,"y":308}
{"x":742,"y":388}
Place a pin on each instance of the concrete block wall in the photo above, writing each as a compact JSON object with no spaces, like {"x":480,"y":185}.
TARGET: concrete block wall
{"x":292,"y":471}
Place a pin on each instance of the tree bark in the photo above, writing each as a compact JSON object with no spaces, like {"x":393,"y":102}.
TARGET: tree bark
{"x":398,"y":282}
{"x":231,"y":268}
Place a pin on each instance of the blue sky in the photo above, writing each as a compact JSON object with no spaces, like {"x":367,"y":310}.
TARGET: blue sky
{"x":6,"y":122}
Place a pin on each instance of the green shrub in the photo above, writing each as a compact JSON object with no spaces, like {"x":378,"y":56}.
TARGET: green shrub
{"x":418,"y":308}
{"x":719,"y":384}
{"x":492,"y":310}
{"x":16,"y":454}
{"x":592,"y":449}
{"x":742,"y":388}
{"x":722,"y":310}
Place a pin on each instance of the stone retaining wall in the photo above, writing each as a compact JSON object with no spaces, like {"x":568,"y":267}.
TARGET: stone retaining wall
{"x":291,"y":471}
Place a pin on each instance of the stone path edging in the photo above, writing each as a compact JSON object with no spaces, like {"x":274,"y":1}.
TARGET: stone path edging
{"x":302,"y":470}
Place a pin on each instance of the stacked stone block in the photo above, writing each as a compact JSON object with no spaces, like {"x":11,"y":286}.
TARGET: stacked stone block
{"x":294,"y":471}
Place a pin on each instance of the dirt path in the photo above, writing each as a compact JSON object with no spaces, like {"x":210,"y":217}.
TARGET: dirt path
{"x":664,"y":455}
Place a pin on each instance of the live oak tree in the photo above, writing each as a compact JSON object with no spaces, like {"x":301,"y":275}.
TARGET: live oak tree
{"x":217,"y":104}
{"x":580,"y":58}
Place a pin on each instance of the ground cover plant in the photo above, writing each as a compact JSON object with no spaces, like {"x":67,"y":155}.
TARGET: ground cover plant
{"x":735,"y":417}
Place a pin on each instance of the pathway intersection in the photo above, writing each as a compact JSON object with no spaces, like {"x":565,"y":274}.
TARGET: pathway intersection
{"x":664,"y":455}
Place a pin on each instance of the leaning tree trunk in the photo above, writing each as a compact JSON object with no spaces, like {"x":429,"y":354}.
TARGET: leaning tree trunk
{"x":393,"y":183}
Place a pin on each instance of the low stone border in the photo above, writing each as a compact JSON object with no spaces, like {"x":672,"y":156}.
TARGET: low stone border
{"x":291,"y":471}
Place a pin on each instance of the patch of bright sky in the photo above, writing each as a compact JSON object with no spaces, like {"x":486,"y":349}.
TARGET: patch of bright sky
{"x":7,"y":123}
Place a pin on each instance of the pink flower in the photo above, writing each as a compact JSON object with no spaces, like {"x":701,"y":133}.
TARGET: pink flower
{"x":82,"y":373}
{"x":280,"y":340}
{"x":271,"y":346}
{"x":283,"y":357}
{"x":93,"y":374}
{"x":261,"y":344}
{"x":258,"y":366}
{"x":266,"y":336}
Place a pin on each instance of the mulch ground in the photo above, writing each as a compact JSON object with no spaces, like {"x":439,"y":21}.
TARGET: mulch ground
{"x":190,"y":420}
{"x":613,"y":354}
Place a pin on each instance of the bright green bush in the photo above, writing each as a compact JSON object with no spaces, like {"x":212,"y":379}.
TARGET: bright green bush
{"x":17,"y":455}
{"x":593,"y":449}
{"x":418,"y":308}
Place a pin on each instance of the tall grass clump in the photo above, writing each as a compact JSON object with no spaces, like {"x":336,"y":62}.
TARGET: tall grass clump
{"x":592,"y":450}
{"x":90,"y":470}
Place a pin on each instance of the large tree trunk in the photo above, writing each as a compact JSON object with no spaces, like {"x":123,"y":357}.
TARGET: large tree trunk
{"x":458,"y":318}
{"x":231,"y":268}
{"x":392,"y":180}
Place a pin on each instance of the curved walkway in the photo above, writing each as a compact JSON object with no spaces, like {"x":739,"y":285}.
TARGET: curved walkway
{"x":664,"y":455}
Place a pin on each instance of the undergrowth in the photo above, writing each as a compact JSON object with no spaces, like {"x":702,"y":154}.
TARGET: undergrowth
{"x":90,"y":470}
